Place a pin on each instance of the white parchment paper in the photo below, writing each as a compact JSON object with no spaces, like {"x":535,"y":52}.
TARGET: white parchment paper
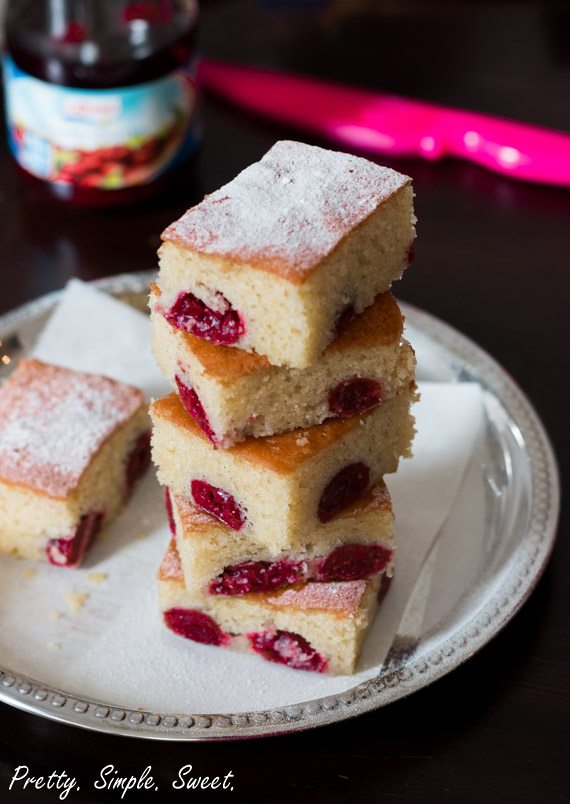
{"x":114,"y":648}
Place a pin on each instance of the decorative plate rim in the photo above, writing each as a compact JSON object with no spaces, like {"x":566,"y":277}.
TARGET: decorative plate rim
{"x":416,"y":672}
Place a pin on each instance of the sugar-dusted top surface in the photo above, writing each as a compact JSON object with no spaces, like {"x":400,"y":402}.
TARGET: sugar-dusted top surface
{"x":282,"y":453}
{"x":53,"y":421}
{"x":343,"y":598}
{"x":379,"y":325}
{"x":288,"y":211}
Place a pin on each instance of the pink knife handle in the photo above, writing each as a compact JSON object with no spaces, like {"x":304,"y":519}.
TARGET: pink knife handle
{"x":396,"y":126}
{"x":525,"y":152}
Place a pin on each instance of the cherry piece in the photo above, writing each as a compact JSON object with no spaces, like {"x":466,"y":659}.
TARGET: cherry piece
{"x":219,"y":326}
{"x":355,"y":396}
{"x":353,"y":562}
{"x":345,"y":488}
{"x":169,"y":511}
{"x":219,"y":503}
{"x":285,"y":647}
{"x":195,"y":625}
{"x":191,"y":402}
{"x":69,"y":552}
{"x":256,"y":576}
{"x":410,"y":254}
{"x":138,"y":461}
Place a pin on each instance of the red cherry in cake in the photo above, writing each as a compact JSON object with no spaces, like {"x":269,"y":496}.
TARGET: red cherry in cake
{"x":138,"y":461}
{"x":256,"y":576}
{"x":219,"y":503}
{"x":169,"y":511}
{"x":410,"y":254}
{"x":191,"y":402}
{"x":353,"y":562}
{"x":345,"y":488}
{"x":195,"y":625}
{"x":285,"y":647}
{"x":354,"y":396}
{"x":69,"y":552}
{"x":225,"y":326}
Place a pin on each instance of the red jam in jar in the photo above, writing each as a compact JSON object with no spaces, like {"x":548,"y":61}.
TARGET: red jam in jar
{"x":101,"y":102}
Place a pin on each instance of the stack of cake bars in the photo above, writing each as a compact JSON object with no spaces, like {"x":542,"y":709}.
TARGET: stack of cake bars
{"x":273,"y":322}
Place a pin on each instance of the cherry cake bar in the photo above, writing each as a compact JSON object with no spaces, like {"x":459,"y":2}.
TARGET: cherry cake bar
{"x":313,"y":626}
{"x":281,"y":487}
{"x":273,"y":260}
{"x":72,"y":446}
{"x":292,"y":385}
{"x":358,"y":544}
{"x":233,"y":394}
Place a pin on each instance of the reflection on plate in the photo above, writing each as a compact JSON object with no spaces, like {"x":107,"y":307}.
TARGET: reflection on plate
{"x":521,"y":508}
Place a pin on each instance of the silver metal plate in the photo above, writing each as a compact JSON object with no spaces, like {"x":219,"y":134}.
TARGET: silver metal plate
{"x":521,"y":516}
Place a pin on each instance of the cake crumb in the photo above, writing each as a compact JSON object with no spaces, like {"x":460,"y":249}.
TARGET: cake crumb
{"x":29,"y":572}
{"x":97,"y":577}
{"x":54,"y":645}
{"x":55,"y":616}
{"x":302,"y":441}
{"x":142,"y":534}
{"x":76,"y":600}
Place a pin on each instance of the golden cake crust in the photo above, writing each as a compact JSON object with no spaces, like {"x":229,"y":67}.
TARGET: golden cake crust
{"x":170,"y":568}
{"x":280,"y":453}
{"x":287,"y":212}
{"x":54,"y":420}
{"x":381,"y":324}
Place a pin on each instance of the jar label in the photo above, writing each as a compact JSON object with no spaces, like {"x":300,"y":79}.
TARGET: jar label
{"x":105,"y":139}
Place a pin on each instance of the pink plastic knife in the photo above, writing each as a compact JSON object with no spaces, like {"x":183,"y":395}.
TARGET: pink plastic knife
{"x":388,"y":124}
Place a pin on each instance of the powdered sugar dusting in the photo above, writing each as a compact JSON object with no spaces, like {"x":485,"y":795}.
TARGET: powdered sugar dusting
{"x":343,"y":597}
{"x":289,"y":210}
{"x":53,"y":420}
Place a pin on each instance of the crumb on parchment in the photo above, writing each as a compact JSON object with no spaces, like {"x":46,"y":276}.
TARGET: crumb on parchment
{"x":54,"y":645}
{"x":76,"y":600}
{"x":55,"y":615}
{"x":29,"y":572}
{"x":97,"y":577}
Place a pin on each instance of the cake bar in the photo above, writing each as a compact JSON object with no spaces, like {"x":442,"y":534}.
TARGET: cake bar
{"x":234,"y":394}
{"x":72,"y":446}
{"x":316,"y":626}
{"x":281,"y":487}
{"x":273,"y":260}
{"x":358,"y":544}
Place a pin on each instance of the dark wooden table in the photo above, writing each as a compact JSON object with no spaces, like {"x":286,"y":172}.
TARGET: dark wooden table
{"x":492,"y":260}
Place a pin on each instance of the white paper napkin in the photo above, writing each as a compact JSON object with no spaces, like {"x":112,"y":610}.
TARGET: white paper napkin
{"x":115,"y":648}
{"x":91,"y":331}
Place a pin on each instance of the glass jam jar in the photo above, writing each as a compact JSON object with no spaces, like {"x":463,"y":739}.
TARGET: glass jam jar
{"x":101,"y":103}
